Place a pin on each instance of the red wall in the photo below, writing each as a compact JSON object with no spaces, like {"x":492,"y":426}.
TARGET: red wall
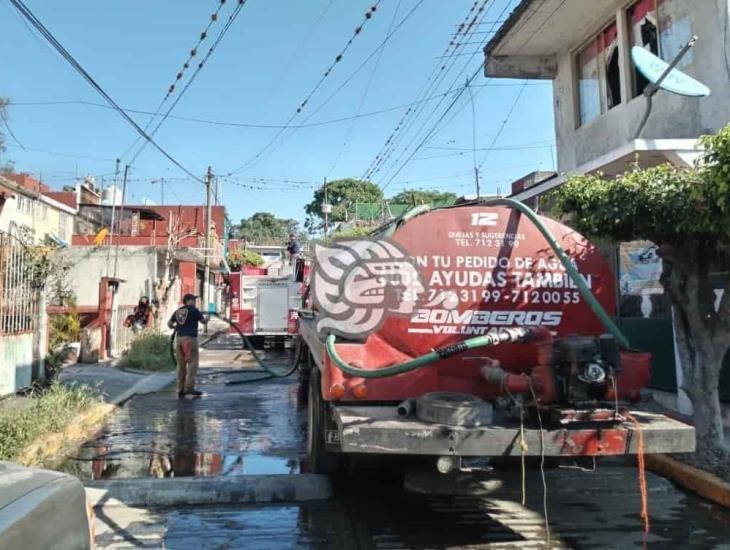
{"x":189,"y":216}
{"x":28,"y":181}
{"x":187,"y":274}
{"x":128,"y":240}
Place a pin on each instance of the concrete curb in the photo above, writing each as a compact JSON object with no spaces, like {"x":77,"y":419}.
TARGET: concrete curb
{"x":149,"y":384}
{"x":698,"y":481}
{"x":247,"y":489}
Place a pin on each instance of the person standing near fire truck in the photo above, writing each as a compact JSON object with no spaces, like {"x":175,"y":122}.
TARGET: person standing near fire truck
{"x":185,"y":323}
{"x":293,"y":248}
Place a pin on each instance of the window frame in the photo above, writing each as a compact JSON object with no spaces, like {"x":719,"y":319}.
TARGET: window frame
{"x":627,"y":71}
{"x":629,"y":42}
{"x":597,"y":37}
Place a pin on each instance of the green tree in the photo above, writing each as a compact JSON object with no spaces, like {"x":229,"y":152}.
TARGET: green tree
{"x":237,"y":258}
{"x":685,"y":212}
{"x":341,"y":194}
{"x":423,"y":196}
{"x":265,"y":228}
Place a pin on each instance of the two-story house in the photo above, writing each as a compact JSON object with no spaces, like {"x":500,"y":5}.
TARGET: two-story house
{"x":584,"y":48}
{"x":30,"y":212}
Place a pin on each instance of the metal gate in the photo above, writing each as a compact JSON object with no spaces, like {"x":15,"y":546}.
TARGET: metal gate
{"x":18,"y":314}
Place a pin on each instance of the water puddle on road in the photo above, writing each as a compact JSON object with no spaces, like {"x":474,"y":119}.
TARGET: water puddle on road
{"x":232,"y":430}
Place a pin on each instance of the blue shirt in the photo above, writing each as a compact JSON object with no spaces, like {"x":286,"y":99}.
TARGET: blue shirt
{"x":186,"y":321}
{"x":294,"y":247}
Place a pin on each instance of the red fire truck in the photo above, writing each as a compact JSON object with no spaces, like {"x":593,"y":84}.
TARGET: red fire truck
{"x":265,"y":302}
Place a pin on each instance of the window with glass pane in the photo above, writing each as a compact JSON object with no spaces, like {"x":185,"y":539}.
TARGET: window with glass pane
{"x":644,"y":33}
{"x":588,"y":83}
{"x":611,"y":66}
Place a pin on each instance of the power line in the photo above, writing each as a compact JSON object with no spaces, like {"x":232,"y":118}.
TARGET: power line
{"x":431,"y":132}
{"x":532,"y":145}
{"x":268,"y":186}
{"x":424,"y":91}
{"x":364,"y":93}
{"x":55,"y":153}
{"x":437,"y":76}
{"x":433,"y":129}
{"x":296,"y":54}
{"x":9,"y":129}
{"x":23,"y":9}
{"x":365,"y":61}
{"x":368,"y":15}
{"x":277,"y":126}
{"x":502,"y":127}
{"x":231,"y":18}
{"x":180,"y":74}
{"x":194,"y":50}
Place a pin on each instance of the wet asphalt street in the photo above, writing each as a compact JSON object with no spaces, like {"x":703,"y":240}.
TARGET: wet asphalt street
{"x":258,"y":428}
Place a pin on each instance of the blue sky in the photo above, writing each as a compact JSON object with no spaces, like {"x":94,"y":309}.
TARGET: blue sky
{"x":270,"y":60}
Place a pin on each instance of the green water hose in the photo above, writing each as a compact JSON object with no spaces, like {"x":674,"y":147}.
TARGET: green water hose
{"x":265,"y":369}
{"x":489,"y":339}
{"x":576,"y":277}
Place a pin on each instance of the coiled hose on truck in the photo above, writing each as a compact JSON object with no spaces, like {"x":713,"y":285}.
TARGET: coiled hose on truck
{"x":487,"y":340}
{"x":246,"y":344}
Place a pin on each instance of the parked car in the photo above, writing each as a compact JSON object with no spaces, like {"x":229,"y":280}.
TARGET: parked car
{"x":41,"y":509}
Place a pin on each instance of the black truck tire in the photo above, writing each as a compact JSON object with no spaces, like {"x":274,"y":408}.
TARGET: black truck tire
{"x":320,"y":460}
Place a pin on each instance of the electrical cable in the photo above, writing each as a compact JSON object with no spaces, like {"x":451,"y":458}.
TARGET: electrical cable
{"x":368,"y":15}
{"x":4,"y":116}
{"x":504,"y":124}
{"x":430,"y":133}
{"x":271,"y":126}
{"x":365,"y":61}
{"x":296,"y":54}
{"x":366,"y":89}
{"x":428,"y":118}
{"x":231,"y":19}
{"x":180,"y":74}
{"x":473,"y":137}
{"x":345,"y":83}
{"x":36,"y":23}
{"x":438,"y":74}
{"x":522,"y":89}
{"x":542,"y":463}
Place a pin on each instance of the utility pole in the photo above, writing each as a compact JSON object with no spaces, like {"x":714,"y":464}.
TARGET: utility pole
{"x":111,"y":225}
{"x":161,"y":181}
{"x":121,"y":217}
{"x":208,"y":214}
{"x":476,"y":180}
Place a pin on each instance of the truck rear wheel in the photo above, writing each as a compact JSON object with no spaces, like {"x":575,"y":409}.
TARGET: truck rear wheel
{"x":320,"y":460}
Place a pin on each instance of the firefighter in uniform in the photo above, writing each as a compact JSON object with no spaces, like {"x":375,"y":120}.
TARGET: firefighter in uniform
{"x":185,"y":322}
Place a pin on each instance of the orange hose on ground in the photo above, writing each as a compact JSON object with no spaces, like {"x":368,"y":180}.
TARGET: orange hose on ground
{"x":642,"y":475}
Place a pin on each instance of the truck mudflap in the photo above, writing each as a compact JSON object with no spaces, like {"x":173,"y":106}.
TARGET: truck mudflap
{"x":380,"y":430}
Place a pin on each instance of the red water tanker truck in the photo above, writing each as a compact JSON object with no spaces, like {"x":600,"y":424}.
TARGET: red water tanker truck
{"x":448,"y":329}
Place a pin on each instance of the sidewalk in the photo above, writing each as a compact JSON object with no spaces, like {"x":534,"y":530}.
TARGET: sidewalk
{"x":115,"y":385}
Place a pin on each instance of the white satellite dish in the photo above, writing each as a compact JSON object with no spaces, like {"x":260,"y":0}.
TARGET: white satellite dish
{"x":665,"y":76}
{"x":658,"y":72}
